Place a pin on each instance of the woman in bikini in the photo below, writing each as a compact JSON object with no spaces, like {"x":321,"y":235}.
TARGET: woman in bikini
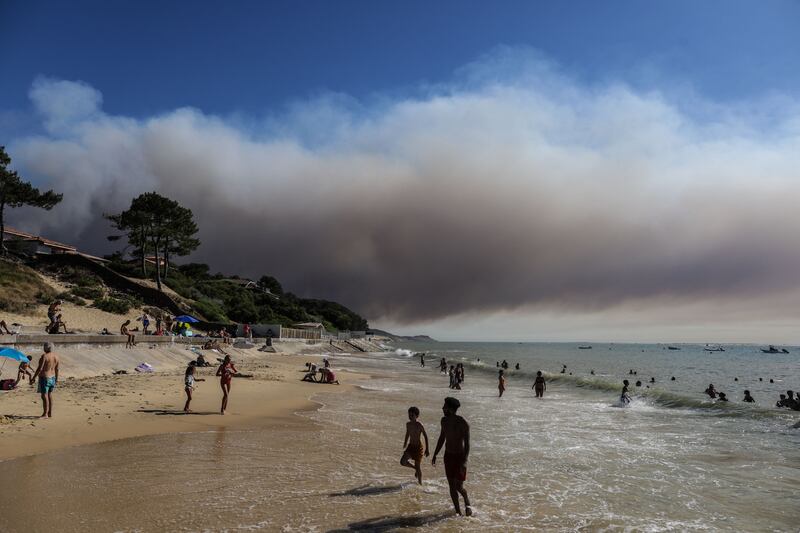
{"x":225,"y":372}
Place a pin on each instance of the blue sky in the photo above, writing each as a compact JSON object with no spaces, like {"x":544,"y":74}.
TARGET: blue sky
{"x":254,"y":57}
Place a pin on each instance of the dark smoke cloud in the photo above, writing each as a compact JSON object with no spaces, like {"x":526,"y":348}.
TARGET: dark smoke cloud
{"x":495,"y":192}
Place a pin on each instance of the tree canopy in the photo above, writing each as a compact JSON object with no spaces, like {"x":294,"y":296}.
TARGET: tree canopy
{"x":14,"y":192}
{"x":158,"y":225}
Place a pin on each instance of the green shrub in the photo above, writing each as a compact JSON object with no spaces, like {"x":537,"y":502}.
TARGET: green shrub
{"x":91,"y":293}
{"x":119,"y":306}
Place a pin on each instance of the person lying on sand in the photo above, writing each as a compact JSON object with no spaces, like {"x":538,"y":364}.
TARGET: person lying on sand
{"x":412,"y":444}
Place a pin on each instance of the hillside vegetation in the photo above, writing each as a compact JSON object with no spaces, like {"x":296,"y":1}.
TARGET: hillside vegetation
{"x":22,"y":289}
{"x":218,"y":298}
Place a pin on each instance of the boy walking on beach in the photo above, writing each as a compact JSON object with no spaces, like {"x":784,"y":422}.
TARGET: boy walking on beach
{"x":412,"y":443}
{"x":455,"y":438}
{"x":47,"y":372}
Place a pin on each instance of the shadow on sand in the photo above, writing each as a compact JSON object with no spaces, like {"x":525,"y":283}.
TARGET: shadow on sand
{"x":383,"y":524}
{"x":367,"y":490}
{"x":23,"y":417}
{"x":176,"y":412}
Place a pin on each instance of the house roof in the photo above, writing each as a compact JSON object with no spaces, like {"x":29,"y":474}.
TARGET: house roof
{"x":21,"y":235}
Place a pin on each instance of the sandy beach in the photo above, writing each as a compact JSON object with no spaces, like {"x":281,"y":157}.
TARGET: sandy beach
{"x":92,"y":405}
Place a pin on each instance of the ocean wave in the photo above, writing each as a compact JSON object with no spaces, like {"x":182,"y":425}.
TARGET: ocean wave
{"x":402,"y":352}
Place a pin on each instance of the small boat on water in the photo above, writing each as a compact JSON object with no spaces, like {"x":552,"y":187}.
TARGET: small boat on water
{"x":714,"y":349}
{"x":773,"y":349}
{"x":672,"y":348}
{"x":587,"y":347}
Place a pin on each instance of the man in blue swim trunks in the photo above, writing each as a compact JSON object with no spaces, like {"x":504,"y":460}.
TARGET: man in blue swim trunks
{"x":47,"y":374}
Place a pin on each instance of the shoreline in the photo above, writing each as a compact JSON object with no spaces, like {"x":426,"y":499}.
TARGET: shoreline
{"x":95,"y":408}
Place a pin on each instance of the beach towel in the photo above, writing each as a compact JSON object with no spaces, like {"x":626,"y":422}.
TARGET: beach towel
{"x":144,"y":367}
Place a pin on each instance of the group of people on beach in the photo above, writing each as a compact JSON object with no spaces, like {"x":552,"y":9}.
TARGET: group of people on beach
{"x":56,"y":324}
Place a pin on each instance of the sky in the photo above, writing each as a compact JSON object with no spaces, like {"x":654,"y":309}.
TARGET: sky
{"x":577,"y":171}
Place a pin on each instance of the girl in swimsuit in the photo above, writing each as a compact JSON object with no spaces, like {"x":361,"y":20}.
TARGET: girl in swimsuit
{"x":225,"y":372}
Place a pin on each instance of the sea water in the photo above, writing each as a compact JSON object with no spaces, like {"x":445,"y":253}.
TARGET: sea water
{"x":674,"y":460}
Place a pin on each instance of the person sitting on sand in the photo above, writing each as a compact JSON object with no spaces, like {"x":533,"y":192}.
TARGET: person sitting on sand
{"x":189,"y":381}
{"x":225,"y":372}
{"x":311,"y":374}
{"x":748,"y":398}
{"x":329,"y":377}
{"x":711,"y":391}
{"x":455,"y":438}
{"x":722,"y":397}
{"x":501,"y":383}
{"x":123,"y":329}
{"x":47,"y":372}
{"x":4,"y":326}
{"x":625,"y":397}
{"x":24,"y":370}
{"x":201,"y":361}
{"x":539,"y":385}
{"x":56,"y":326}
{"x":412,"y":443}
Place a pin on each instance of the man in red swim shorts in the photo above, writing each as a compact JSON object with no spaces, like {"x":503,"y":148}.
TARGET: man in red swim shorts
{"x":455,"y":438}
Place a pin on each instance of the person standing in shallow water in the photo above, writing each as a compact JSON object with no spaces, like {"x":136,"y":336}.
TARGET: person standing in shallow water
{"x":455,"y":438}
{"x":539,"y":385}
{"x":501,"y":383}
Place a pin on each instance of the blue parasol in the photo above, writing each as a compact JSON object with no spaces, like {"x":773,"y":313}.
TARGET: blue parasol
{"x":11,"y":353}
{"x":186,"y":318}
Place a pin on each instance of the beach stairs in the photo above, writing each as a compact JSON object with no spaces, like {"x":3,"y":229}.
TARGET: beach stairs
{"x":363,"y":345}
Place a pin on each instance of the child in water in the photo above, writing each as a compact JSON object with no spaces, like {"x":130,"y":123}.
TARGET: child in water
{"x":539,"y":385}
{"x":625,"y":398}
{"x":501,"y":383}
{"x":412,"y":445}
{"x":189,"y":381}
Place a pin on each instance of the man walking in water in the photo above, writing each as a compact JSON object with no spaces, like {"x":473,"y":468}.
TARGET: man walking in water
{"x":47,"y":372}
{"x":455,"y":438}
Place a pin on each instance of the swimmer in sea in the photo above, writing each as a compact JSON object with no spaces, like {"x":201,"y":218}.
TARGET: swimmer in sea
{"x":747,"y":397}
{"x":711,"y":391}
{"x":539,"y":385}
{"x":455,"y":438}
{"x":412,"y":444}
{"x":652,"y":380}
{"x":625,"y":398}
{"x":501,"y":383}
{"x":638,"y":383}
{"x":722,"y":397}
{"x":564,"y":369}
{"x":781,"y":402}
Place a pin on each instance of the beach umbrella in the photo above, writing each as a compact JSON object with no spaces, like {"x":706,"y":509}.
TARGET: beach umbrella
{"x":186,"y":318}
{"x":13,"y":354}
